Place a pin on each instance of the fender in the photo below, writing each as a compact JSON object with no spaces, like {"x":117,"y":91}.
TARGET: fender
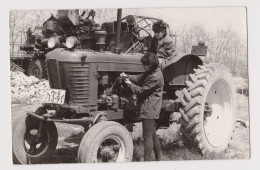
{"x":177,"y":70}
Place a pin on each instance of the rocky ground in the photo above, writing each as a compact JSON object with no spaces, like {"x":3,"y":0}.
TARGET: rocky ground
{"x":28,"y":93}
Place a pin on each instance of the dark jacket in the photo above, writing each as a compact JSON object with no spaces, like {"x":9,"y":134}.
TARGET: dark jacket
{"x":163,"y":48}
{"x":149,"y":88}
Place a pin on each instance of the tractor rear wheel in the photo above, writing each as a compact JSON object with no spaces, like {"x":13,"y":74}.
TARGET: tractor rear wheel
{"x":37,"y":68}
{"x":106,"y":142}
{"x":208,"y":104}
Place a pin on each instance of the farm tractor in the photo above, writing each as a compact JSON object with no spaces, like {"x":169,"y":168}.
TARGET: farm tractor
{"x":86,"y":90}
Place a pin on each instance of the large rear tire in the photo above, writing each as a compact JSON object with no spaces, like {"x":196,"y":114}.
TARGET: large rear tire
{"x":37,"y":68}
{"x":207,"y":120}
{"x":106,"y":142}
{"x":25,"y":151}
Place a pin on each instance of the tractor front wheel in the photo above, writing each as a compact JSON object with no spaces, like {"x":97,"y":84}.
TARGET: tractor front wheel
{"x":30,"y":147}
{"x":106,"y":142}
{"x":207,"y":120}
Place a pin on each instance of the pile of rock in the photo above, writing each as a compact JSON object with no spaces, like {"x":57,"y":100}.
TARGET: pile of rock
{"x":28,"y":89}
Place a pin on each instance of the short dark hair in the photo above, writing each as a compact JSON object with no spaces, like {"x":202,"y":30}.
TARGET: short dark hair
{"x":159,"y":26}
{"x":151,"y":60}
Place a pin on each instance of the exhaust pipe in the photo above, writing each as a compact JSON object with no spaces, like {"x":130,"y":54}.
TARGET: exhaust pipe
{"x":118,"y":31}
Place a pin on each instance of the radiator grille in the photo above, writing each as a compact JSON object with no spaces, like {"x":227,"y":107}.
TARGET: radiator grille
{"x":73,"y":77}
{"x":78,"y":84}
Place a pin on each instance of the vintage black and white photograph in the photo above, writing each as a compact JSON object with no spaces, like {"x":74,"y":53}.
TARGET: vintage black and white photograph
{"x":129,"y":85}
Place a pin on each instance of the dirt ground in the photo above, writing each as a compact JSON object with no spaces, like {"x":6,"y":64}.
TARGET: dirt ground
{"x":172,"y":147}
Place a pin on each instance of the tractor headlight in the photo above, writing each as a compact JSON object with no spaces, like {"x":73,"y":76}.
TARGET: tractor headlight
{"x":71,"y":42}
{"x":53,"y":42}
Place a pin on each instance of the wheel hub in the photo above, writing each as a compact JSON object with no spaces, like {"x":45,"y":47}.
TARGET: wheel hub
{"x":110,"y":150}
{"x":34,"y":142}
{"x":107,"y":153}
{"x":218,"y":114}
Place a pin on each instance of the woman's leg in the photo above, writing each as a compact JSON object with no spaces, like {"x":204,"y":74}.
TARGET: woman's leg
{"x":148,"y":130}
{"x":156,"y":145}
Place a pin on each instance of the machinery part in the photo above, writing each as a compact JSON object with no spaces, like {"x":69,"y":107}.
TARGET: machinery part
{"x":118,"y":31}
{"x":71,"y":42}
{"x":53,"y":42}
{"x":106,"y":142}
{"x":37,"y":68}
{"x":116,"y":101}
{"x":137,"y":40}
{"x":15,"y":67}
{"x":79,"y":121}
{"x":142,"y":32}
{"x":207,"y":114}
{"x":100,"y":37}
{"x":34,"y":141}
{"x":135,"y":48}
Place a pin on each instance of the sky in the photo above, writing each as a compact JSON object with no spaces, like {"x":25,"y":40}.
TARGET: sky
{"x":212,"y":19}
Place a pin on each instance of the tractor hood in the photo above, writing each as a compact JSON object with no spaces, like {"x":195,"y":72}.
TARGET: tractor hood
{"x":106,"y":61}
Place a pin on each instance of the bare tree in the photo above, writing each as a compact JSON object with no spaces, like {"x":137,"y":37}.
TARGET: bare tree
{"x":224,"y":46}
